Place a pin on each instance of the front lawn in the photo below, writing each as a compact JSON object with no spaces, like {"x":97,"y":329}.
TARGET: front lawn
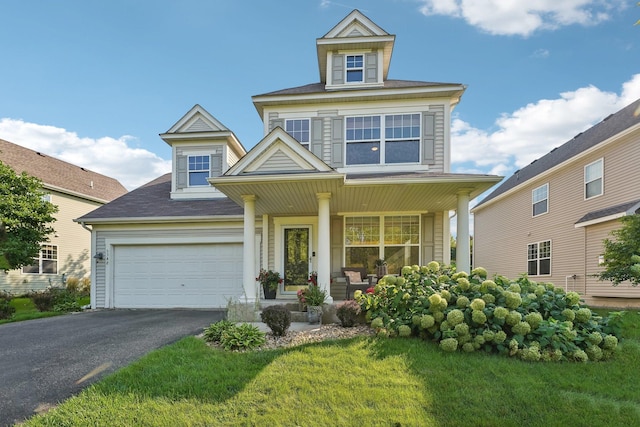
{"x":26,"y":310}
{"x":356,"y":382}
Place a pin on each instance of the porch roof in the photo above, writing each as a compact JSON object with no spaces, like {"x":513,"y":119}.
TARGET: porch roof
{"x":295,"y":193}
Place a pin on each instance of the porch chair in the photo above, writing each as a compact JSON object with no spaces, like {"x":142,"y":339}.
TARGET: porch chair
{"x":356,"y":279}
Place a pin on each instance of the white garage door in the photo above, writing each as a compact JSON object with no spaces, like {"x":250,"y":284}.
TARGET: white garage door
{"x":177,"y":276}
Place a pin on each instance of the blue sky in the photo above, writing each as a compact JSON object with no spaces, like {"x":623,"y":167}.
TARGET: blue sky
{"x":94,"y":83}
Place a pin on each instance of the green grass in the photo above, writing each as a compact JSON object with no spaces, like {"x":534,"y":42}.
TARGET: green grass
{"x":362,"y":381}
{"x":25,"y":310}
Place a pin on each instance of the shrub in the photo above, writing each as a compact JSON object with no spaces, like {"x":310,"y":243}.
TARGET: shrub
{"x":242,"y":337}
{"x":519,"y":318}
{"x":72,"y":284}
{"x":348,"y":313}
{"x":214,"y":332}
{"x":55,"y":299}
{"x":6,"y":309}
{"x":277,"y":318}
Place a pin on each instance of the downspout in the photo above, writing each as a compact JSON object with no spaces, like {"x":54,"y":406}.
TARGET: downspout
{"x":85,"y":226}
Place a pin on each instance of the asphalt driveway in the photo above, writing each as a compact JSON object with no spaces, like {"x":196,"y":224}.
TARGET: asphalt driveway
{"x":45,"y":361}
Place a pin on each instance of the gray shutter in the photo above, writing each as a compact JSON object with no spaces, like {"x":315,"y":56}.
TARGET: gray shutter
{"x":371,"y":68}
{"x":216,"y":165}
{"x":428,"y":139}
{"x":181,"y":172}
{"x":275,"y":123}
{"x":337,"y":70}
{"x":316,"y":137}
{"x":337,"y":139}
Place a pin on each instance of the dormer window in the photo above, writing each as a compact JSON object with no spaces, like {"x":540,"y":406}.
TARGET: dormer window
{"x":299,"y":129}
{"x":198,"y":170}
{"x":355,"y":69}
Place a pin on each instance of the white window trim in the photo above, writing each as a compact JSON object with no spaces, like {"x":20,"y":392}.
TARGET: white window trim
{"x":304,"y":144}
{"x":538,"y":258}
{"x":39,"y":273}
{"x":382,"y":139}
{"x":347,"y":69}
{"x":533,"y":202}
{"x":584,"y":185}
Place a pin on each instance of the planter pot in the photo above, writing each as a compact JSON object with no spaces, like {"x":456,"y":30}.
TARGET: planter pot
{"x":314,"y":314}
{"x":269,"y":293}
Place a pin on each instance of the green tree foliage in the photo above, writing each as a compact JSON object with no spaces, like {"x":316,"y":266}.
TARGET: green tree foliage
{"x":622,"y":255}
{"x":25,"y":218}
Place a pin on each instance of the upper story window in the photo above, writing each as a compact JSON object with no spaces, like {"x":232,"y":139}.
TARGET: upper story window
{"x":299,"y":129}
{"x":539,"y":258}
{"x":198,"y":170}
{"x":355,"y":68}
{"x":46,"y":197}
{"x":593,"y":176}
{"x":399,"y":143}
{"x":540,"y":200}
{"x":46,"y":263}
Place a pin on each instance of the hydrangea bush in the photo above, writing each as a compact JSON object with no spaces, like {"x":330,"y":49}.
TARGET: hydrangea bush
{"x":462,"y":312}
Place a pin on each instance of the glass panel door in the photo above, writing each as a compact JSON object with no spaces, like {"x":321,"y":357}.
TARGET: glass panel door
{"x":297,"y":255}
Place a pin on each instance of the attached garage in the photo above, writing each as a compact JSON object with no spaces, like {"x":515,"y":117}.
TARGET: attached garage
{"x":176,"y":275}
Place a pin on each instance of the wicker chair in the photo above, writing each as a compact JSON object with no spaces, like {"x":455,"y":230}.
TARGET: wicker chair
{"x":357,"y":278}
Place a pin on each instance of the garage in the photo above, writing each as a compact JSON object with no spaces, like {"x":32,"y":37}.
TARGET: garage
{"x":176,"y":276}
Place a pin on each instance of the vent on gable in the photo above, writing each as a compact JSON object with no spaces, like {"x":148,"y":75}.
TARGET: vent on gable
{"x":355,"y":33}
{"x":198,"y":126}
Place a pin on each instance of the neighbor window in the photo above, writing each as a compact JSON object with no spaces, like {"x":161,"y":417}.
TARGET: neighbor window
{"x":355,"y":68}
{"x":540,"y":200}
{"x":367,"y":144}
{"x":198,"y":170}
{"x":299,"y":129}
{"x":46,"y":197}
{"x":539,"y":258}
{"x":394,"y":238}
{"x":45,"y":263}
{"x":593,"y":179}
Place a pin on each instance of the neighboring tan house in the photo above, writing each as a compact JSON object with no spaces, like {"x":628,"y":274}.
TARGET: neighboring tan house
{"x":351,"y":169}
{"x":75,"y":191}
{"x":549,"y":219}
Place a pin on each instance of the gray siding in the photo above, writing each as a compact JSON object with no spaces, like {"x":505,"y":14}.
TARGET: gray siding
{"x":280,"y":162}
{"x":337,"y":70}
{"x":428,"y":242}
{"x":371,"y":67}
{"x":337,"y":142}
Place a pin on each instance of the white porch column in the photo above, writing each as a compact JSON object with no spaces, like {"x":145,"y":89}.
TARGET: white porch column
{"x":249,"y":249}
{"x":324,"y":244}
{"x":463,"y":255}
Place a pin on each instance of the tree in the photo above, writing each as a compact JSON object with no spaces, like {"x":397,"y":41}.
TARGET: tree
{"x":622,"y":255}
{"x":25,"y":218}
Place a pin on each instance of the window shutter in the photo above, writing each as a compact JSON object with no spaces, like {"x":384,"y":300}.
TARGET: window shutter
{"x":371,"y":68}
{"x":275,"y":123}
{"x":181,"y":172}
{"x":337,"y":139}
{"x":428,"y":139}
{"x":316,"y":137}
{"x":216,"y":165}
{"x":337,"y":70}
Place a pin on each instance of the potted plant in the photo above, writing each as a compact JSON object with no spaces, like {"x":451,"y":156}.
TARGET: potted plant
{"x":314,"y":299}
{"x":381,"y":268}
{"x":269,"y":280}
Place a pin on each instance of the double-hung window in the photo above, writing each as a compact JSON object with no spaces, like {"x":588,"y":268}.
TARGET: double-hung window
{"x":367,"y":144}
{"x":539,"y":258}
{"x":45,"y":263}
{"x":355,"y":68}
{"x":540,"y":200}
{"x":198,"y":170}
{"x":299,"y":129}
{"x":593,"y":179}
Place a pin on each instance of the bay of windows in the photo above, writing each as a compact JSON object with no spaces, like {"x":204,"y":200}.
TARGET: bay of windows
{"x":539,"y":258}
{"x":367,"y":144}
{"x":394,"y":238}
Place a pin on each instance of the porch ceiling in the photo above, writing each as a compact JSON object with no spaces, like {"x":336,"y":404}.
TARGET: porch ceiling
{"x":296,"y":194}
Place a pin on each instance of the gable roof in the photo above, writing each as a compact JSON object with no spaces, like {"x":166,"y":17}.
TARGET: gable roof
{"x":152,"y":203}
{"x":609,"y":127}
{"x":609,"y":213}
{"x":58,"y":175}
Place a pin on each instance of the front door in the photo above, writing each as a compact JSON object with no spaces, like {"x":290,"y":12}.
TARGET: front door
{"x":297,"y":257}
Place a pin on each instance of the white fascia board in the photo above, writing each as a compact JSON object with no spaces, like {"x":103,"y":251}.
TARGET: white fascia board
{"x":363,"y":40}
{"x":567,"y":162}
{"x":600,"y":220}
{"x":46,"y":186}
{"x":160,"y":219}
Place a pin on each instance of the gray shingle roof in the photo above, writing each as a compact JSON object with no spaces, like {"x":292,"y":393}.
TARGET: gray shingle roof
{"x":153,"y":200}
{"x":320,"y":87}
{"x":628,"y":207}
{"x":608,"y":127}
{"x":57,"y":173}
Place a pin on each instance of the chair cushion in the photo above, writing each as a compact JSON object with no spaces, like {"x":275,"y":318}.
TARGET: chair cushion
{"x":354,"y":276}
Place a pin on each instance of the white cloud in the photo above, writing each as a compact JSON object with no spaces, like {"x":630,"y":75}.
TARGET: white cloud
{"x":509,"y":17}
{"x":114,"y":157}
{"x":535,"y":129}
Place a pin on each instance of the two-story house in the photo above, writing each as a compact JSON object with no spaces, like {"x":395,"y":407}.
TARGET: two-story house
{"x":76,"y":191}
{"x":549,"y":219}
{"x":351,"y":169}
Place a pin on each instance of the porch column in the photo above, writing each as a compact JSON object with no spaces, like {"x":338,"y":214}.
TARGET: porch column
{"x":249,"y":249}
{"x":463,"y":255}
{"x":324,"y":244}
